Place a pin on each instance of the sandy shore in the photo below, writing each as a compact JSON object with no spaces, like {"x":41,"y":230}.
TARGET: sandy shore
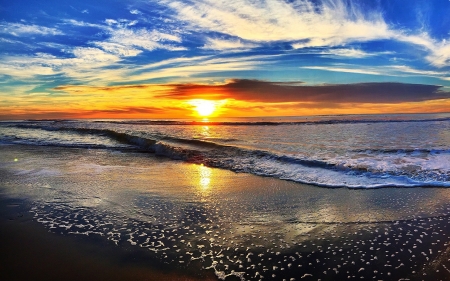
{"x":76,"y":214}
{"x":30,"y":252}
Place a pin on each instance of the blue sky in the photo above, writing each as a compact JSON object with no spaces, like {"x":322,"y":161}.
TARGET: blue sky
{"x":50,"y":49}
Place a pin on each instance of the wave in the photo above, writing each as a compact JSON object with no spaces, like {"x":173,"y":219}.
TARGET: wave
{"x":403,"y":151}
{"x":319,"y":172}
{"x":269,"y":123}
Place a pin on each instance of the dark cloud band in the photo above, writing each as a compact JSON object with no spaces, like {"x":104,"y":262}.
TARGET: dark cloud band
{"x":264,"y":91}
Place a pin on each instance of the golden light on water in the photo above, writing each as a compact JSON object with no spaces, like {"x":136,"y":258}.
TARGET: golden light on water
{"x":201,"y":179}
{"x":205,"y":131}
{"x":204,"y":177}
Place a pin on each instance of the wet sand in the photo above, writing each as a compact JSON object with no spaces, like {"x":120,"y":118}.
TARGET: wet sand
{"x":30,"y":252}
{"x":98,"y":215}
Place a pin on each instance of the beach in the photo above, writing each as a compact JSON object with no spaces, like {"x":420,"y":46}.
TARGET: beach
{"x":242,"y":140}
{"x":106,"y":215}
{"x":31,"y":252}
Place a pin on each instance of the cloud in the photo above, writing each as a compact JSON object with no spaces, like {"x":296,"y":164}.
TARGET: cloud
{"x":347,"y":53}
{"x":440,"y":55}
{"x":89,"y":55}
{"x":135,"y":12}
{"x":439,"y":51}
{"x":353,"y":53}
{"x":239,"y":97}
{"x":83,"y":24}
{"x":103,"y":65}
{"x":366,"y":70}
{"x":330,"y":23}
{"x":144,"y":39}
{"x":76,"y":101}
{"x":408,"y":69}
{"x":124,"y":112}
{"x":187,"y":67}
{"x":118,"y":49}
{"x":386,"y":70}
{"x":19,"y":29}
{"x":303,"y":23}
{"x":263,"y":91}
{"x":126,"y":40}
{"x":223,"y":45}
{"x":84,"y":63}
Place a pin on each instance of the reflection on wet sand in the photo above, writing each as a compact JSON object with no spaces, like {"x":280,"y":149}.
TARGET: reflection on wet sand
{"x":237,"y":225}
{"x":205,"y":174}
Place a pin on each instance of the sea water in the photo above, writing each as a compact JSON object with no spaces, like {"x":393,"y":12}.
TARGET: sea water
{"x":353,"y":151}
{"x":188,"y":208}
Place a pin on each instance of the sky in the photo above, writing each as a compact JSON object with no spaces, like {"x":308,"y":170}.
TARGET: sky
{"x":162,"y":58}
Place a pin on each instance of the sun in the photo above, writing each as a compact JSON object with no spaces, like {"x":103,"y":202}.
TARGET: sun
{"x":204,"y":108}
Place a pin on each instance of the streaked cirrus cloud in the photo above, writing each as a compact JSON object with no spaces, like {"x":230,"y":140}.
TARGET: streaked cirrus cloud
{"x":304,"y":23}
{"x":22,"y":29}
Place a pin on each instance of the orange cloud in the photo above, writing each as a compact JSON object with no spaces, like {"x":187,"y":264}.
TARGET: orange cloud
{"x":243,"y":98}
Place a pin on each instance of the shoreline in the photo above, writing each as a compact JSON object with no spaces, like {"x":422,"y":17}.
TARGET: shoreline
{"x":213,"y":223}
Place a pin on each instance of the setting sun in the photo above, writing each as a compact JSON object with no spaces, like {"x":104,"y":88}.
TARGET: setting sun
{"x":204,"y":107}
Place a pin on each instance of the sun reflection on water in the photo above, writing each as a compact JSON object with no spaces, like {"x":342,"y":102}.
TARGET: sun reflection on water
{"x":204,"y":177}
{"x":205,"y":131}
{"x":201,"y":180}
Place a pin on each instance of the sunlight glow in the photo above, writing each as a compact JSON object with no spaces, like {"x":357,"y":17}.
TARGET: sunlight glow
{"x":204,"y":107}
{"x":205,"y":177}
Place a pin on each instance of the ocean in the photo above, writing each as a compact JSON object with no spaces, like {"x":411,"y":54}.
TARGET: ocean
{"x":279,"y":198}
{"x":353,"y":151}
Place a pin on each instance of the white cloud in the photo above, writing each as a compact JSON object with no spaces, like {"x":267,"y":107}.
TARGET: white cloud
{"x":88,"y":64}
{"x":144,"y":39}
{"x":92,"y":66}
{"x":187,"y":67}
{"x":439,"y":52}
{"x":345,"y":53}
{"x":135,"y":12}
{"x":127,"y":41}
{"x":221,"y":45}
{"x":304,"y":23}
{"x":120,"y":23}
{"x":332,"y":23}
{"x":344,"y":69}
{"x":18,"y":29}
{"x":443,"y":75}
{"x":351,"y":53}
{"x":92,"y":55}
{"x":118,"y":49}
{"x":440,"y":55}
{"x":111,"y":22}
{"x":83,"y":63}
{"x":25,"y":71}
{"x":389,"y":70}
{"x":84,"y":24}
{"x":195,"y":69}
{"x":175,"y":62}
{"x":53,"y":45}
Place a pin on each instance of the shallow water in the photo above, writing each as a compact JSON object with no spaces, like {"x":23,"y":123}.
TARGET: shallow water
{"x":240,"y":226}
{"x":360,"y":151}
